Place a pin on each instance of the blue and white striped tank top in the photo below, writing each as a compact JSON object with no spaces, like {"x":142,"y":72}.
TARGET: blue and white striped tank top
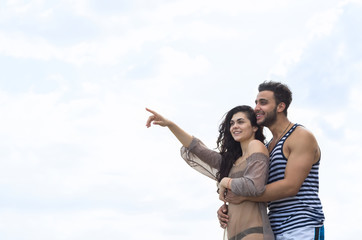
{"x":301,"y":210}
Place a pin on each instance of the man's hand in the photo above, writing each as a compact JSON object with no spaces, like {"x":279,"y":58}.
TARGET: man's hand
{"x":222,"y":193}
{"x":235,"y":199}
{"x":222,"y":215}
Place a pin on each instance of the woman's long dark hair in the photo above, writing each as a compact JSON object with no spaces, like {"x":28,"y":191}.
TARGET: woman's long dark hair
{"x":230,"y":149}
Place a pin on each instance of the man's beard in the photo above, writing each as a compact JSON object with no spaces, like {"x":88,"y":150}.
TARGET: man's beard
{"x":270,"y":118}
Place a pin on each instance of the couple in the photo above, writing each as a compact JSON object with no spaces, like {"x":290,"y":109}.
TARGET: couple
{"x":284,"y":173}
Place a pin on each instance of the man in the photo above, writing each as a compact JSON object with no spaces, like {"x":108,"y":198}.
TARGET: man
{"x":295,"y":210}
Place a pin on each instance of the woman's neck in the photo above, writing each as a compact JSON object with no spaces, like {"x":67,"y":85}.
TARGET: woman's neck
{"x":245,"y":145}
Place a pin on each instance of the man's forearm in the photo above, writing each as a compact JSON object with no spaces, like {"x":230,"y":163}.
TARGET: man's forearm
{"x":275,"y":191}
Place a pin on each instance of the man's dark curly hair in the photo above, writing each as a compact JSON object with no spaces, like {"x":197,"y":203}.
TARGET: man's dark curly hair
{"x":281,"y":92}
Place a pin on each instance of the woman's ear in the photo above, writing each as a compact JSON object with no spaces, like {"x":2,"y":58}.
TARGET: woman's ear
{"x":255,"y":129}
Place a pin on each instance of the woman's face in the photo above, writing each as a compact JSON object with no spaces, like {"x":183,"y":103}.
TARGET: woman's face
{"x":240,"y":127}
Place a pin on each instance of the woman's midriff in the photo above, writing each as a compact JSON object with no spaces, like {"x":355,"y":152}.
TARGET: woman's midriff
{"x":243,"y":216}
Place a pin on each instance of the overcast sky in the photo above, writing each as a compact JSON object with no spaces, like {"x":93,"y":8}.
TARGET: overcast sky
{"x":76,"y":160}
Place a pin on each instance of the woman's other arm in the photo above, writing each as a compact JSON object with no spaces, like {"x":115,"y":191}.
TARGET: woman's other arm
{"x":253,"y":182}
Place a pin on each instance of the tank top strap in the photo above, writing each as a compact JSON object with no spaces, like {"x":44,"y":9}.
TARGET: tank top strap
{"x":287,"y":134}
{"x":283,"y":138}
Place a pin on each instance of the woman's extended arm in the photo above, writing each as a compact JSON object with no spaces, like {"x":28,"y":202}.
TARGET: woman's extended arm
{"x":180,"y":134}
{"x":194,"y":152}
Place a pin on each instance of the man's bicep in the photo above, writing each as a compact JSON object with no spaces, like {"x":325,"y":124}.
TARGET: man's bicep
{"x":300,"y":162}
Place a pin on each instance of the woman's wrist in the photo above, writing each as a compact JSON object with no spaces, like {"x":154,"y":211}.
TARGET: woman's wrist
{"x":226,"y":182}
{"x":228,"y":185}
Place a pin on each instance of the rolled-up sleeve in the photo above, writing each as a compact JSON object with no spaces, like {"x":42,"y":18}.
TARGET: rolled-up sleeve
{"x":201,"y":158}
{"x":254,"y":179}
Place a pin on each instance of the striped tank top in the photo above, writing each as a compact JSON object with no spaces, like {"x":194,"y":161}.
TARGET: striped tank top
{"x":301,"y":210}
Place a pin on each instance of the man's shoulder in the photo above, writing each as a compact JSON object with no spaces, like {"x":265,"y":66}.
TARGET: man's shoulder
{"x":303,"y":143}
{"x":301,"y":135}
{"x":302,"y":132}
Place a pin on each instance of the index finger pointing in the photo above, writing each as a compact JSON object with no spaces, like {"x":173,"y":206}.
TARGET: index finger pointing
{"x":151,"y":111}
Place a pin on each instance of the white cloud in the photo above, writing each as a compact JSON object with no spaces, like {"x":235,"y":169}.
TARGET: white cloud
{"x":319,"y":25}
{"x":290,"y":52}
{"x":176,"y":63}
{"x":18,"y":45}
{"x":354,"y":95}
{"x":107,"y":51}
{"x":19,"y":7}
{"x":323,"y":23}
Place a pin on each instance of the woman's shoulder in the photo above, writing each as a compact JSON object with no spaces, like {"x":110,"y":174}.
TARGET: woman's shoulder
{"x":256,"y":146}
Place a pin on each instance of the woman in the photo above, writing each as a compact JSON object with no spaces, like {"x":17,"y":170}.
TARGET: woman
{"x":240,"y":166}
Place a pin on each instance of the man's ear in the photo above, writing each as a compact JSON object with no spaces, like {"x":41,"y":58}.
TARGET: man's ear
{"x":281,"y":107}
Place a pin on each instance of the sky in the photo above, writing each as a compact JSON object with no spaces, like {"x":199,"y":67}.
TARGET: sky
{"x":76,"y":160}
